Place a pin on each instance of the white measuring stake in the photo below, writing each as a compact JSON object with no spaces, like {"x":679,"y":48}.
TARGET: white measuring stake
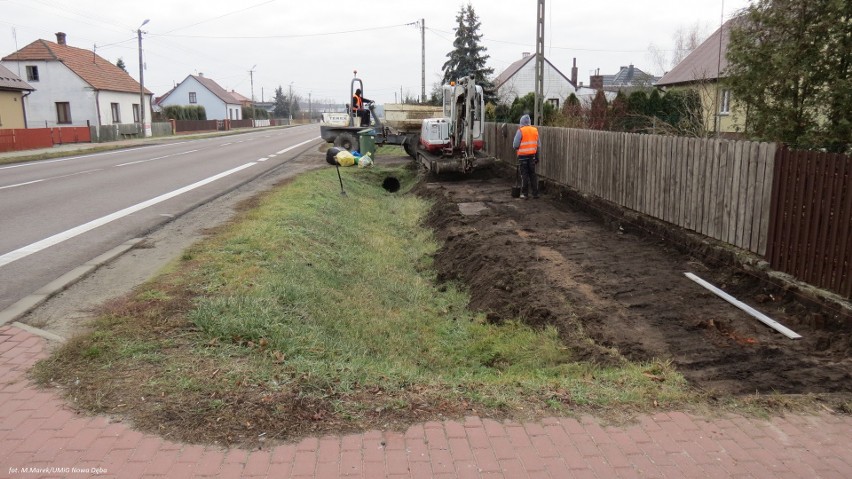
{"x":748,"y":309}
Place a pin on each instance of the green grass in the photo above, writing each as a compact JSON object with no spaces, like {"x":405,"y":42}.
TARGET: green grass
{"x":332,"y":298}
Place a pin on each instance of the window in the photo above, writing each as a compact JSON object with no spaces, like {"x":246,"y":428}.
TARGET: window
{"x":192,"y":98}
{"x":725,"y":103}
{"x":32,"y":73}
{"x":63,"y":113}
{"x":554,"y":102}
{"x":116,"y":113}
{"x":135,"y":113}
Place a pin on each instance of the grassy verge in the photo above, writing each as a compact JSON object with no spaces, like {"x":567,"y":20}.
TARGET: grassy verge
{"x":318,"y":312}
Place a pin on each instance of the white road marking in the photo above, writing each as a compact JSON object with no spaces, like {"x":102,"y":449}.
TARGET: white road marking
{"x":78,"y":230}
{"x":262,"y":159}
{"x":157,"y":158}
{"x":45,"y":162}
{"x":50,"y":178}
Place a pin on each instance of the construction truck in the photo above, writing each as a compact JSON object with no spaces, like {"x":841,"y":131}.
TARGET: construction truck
{"x":442,"y":139}
{"x":401,"y":125}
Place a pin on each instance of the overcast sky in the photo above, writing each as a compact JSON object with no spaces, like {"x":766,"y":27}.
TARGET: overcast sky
{"x":313,"y":46}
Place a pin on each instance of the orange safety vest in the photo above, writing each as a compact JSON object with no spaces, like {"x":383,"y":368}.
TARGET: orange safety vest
{"x":359,"y":104}
{"x":529,"y":141}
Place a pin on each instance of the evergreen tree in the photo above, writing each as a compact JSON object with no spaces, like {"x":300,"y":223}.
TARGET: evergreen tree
{"x":120,"y":64}
{"x":790,"y":71}
{"x":282,"y":104}
{"x":468,"y":56}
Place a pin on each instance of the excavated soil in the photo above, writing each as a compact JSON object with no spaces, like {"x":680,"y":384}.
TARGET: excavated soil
{"x":615,"y":289}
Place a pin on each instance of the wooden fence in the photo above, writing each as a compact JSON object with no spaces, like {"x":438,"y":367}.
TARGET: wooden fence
{"x":793,"y":208}
{"x":811,"y":233}
{"x":719,"y":188}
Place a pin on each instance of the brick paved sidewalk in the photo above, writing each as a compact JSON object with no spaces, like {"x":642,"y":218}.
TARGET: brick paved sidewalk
{"x":39,"y":433}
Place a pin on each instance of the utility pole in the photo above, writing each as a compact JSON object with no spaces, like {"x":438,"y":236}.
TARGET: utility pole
{"x":539,"y":64}
{"x":251,"y":79}
{"x":310,"y":109}
{"x":291,"y":102}
{"x":423,"y":60}
{"x":141,"y":83}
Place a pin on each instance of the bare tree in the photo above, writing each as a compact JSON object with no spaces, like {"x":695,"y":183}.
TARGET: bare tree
{"x":684,"y":41}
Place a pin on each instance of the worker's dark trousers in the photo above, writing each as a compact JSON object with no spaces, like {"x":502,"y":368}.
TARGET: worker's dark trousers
{"x":529,"y":180}
{"x":364,"y":115}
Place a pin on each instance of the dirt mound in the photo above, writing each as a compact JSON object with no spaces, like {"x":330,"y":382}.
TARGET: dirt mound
{"x":617,"y":292}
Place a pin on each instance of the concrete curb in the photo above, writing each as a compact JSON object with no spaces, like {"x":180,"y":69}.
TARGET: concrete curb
{"x":28,"y":303}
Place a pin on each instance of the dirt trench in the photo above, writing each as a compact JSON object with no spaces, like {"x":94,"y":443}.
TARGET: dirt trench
{"x":615,"y":291}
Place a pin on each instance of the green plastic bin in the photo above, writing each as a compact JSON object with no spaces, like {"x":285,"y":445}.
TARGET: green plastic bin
{"x":367,"y":140}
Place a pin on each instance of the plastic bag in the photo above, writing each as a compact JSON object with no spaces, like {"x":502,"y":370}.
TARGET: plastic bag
{"x":365,"y":161}
{"x":345,"y":158}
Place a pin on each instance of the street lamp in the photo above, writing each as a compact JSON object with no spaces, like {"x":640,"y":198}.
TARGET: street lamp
{"x":141,"y":83}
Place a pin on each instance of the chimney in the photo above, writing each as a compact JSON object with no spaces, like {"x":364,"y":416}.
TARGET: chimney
{"x":525,"y":54}
{"x":596,"y":81}
{"x":574,"y":73}
{"x":60,"y":38}
{"x":201,"y":74}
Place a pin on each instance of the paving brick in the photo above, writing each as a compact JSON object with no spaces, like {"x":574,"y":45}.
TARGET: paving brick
{"x":460,"y":448}
{"x":574,"y":460}
{"x":191,"y":453}
{"x":502,"y":447}
{"x":417,"y":450}
{"x":394,"y":440}
{"x":436,"y":439}
{"x":486,"y":460}
{"x":544,"y":446}
{"x":493,"y":428}
{"x":441,"y":461}
{"x":308,"y":444}
{"x":99,"y":448}
{"x":454,"y":429}
{"x":397,"y":462}
{"x":513,"y":468}
{"x":161,"y":463}
{"x":324,"y":469}
{"x":573,"y":426}
{"x":465,"y":470}
{"x":284,"y":453}
{"x":614,"y":456}
{"x":373,"y":450}
{"x":477,"y":437}
{"x":304,"y":463}
{"x":280,"y":469}
{"x":350,"y":442}
{"x":329,"y":449}
{"x":373,"y":469}
{"x":531,"y":458}
{"x":418,"y":470}
{"x":597,"y":433}
{"x":351,"y":463}
{"x":209,"y":463}
{"x":257,"y":464}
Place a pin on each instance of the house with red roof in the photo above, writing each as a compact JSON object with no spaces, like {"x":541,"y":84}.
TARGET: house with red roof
{"x":13,"y":90}
{"x":198,"y":90}
{"x":76,"y":87}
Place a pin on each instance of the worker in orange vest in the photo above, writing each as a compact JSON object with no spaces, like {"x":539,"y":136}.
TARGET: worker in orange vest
{"x":358,"y":108}
{"x":527,"y":144}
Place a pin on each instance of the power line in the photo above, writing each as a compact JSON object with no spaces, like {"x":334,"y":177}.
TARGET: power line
{"x":267,"y":37}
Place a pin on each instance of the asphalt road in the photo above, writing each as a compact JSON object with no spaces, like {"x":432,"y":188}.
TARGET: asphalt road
{"x":58,"y":214}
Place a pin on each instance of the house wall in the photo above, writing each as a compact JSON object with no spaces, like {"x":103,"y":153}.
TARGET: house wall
{"x":215,"y":108}
{"x":523,"y":82}
{"x":57,"y":83}
{"x":732,"y":122}
{"x":11,"y":110}
{"x":125,"y":105}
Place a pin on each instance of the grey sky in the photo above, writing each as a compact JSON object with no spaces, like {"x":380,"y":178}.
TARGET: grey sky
{"x":314,"y":46}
